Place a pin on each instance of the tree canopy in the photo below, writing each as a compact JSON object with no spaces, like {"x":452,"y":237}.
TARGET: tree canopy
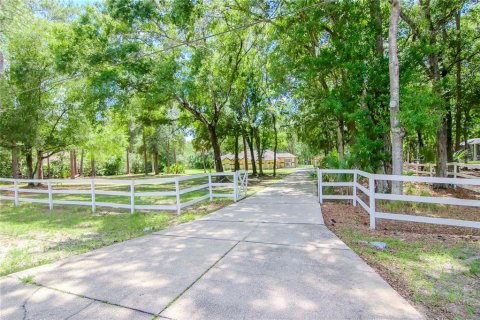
{"x":128,"y":84}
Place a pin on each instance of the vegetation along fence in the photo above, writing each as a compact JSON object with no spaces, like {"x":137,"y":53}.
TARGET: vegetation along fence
{"x":170,"y":194}
{"x":357,"y":182}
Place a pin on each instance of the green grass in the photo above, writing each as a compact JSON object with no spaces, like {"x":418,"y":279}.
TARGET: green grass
{"x":280,"y":171}
{"x":31,"y":235}
{"x":190,"y":171}
{"x":438,"y":275}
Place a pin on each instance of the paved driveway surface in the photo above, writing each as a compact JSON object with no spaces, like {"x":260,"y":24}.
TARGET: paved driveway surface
{"x":266,"y":257}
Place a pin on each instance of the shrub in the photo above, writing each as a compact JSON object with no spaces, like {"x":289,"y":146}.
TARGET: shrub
{"x":112,"y":166}
{"x":176,"y":168}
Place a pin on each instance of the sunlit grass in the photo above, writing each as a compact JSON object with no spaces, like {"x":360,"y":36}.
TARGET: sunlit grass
{"x":435,"y":272}
{"x":32,"y":235}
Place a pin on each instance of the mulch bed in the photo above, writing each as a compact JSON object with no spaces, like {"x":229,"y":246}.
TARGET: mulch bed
{"x":338,"y":214}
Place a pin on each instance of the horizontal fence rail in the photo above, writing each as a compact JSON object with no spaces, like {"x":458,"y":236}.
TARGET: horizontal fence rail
{"x":357,"y":188}
{"x":91,"y":188}
{"x":454,"y":169}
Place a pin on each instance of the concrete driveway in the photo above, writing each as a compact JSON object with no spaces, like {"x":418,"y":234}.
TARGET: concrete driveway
{"x":266,"y":257}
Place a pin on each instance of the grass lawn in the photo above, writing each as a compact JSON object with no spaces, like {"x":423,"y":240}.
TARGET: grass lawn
{"x":189,"y":171}
{"x":437,"y":268}
{"x":280,"y":171}
{"x":31,"y":235}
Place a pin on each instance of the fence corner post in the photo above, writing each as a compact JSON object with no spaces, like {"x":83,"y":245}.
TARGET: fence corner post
{"x":235,"y":186}
{"x":371,"y":182}
{"x":92,"y":189}
{"x":320,"y":188}
{"x":177,"y":193}
{"x":132,"y":196}
{"x":15,"y":191}
{"x":50,"y":196}
{"x":210,"y":186}
{"x":355,"y":188}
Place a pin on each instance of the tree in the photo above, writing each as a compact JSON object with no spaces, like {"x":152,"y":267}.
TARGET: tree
{"x":397,"y":132}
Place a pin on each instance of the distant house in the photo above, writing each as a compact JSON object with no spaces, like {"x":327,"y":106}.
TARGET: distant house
{"x":473,"y":148}
{"x":284,"y":160}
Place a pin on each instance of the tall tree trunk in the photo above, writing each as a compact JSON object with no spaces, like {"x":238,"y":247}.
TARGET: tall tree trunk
{"x":380,"y":117}
{"x":442,"y":152}
{"x":204,"y":161}
{"x":252,"y":152}
{"x":155,"y":162}
{"x":72,"y":164}
{"x":128,"y":161}
{"x":245,"y":158}
{"x":458,"y":85}
{"x":376,"y":15}
{"x":39,"y":164}
{"x":259,"y":151}
{"x":75,"y":162}
{"x":449,"y":122}
{"x":145,"y":159}
{"x":14,"y":161}
{"x":217,"y":156}
{"x":29,"y":161}
{"x":82,"y":157}
{"x":466,"y":122}
{"x":433,"y":61}
{"x":236,"y":164}
{"x":340,"y":147}
{"x":49,"y":173}
{"x":397,"y":132}
{"x":92,"y":165}
{"x":275,"y":145}
{"x":167,"y":155}
{"x":174,"y":154}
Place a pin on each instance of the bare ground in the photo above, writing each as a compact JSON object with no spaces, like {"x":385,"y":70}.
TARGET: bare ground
{"x":435,"y":267}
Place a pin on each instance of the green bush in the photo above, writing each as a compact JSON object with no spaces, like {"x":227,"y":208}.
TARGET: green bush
{"x":176,"y":168}
{"x":112,"y":166}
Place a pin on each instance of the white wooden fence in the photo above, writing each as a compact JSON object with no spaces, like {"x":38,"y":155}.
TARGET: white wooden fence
{"x":238,"y":186}
{"x":371,"y":193}
{"x":454,"y":169}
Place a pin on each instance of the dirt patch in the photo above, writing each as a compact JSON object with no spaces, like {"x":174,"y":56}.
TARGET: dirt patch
{"x":347,"y":215}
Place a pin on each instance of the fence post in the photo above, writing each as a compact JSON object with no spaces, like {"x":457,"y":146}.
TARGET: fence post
{"x":235,"y":186}
{"x":50,"y":196}
{"x":320,"y":188}
{"x":416,"y":168}
{"x":431,"y":171}
{"x":15,"y":192}
{"x":132,"y":196}
{"x":371,"y":183}
{"x":177,"y":192}
{"x":210,"y":186}
{"x":92,"y":189}
{"x":355,"y":188}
